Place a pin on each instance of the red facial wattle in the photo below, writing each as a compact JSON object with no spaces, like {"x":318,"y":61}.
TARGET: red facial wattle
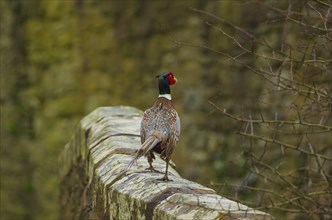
{"x":171,"y":79}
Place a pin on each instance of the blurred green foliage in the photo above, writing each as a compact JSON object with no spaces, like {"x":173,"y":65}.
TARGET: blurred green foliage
{"x":62,"y":59}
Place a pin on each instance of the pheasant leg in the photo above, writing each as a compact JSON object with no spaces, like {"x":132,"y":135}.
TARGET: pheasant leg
{"x":165,"y":178}
{"x":150,"y":157}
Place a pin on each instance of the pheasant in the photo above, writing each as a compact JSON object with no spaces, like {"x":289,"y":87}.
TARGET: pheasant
{"x":160,"y":126}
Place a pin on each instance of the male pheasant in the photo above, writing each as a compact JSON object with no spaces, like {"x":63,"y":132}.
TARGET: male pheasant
{"x":160,"y":126}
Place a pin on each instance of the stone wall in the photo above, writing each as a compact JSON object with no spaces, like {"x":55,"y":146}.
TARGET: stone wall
{"x":101,"y":148}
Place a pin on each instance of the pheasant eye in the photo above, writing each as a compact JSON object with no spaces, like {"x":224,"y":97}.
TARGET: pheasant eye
{"x":171,"y":78}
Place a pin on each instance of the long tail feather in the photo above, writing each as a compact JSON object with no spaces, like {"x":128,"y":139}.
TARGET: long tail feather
{"x":148,"y":144}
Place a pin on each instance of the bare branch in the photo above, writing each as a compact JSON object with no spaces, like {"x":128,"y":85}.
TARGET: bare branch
{"x":284,"y":145}
{"x":324,"y":128}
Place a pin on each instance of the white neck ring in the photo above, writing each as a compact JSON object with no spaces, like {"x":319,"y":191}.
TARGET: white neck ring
{"x":167,"y":96}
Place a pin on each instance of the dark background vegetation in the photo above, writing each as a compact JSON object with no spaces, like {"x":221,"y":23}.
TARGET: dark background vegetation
{"x":254,"y":93}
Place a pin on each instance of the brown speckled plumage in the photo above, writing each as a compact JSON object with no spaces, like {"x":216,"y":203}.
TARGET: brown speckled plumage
{"x":160,"y":129}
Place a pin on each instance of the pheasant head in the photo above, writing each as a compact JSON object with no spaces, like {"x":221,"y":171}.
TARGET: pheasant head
{"x":165,"y":80}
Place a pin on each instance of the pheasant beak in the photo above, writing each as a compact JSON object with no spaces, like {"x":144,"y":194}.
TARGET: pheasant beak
{"x":175,"y":79}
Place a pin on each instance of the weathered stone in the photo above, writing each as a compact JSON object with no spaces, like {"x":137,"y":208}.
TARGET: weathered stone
{"x":92,"y":189}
